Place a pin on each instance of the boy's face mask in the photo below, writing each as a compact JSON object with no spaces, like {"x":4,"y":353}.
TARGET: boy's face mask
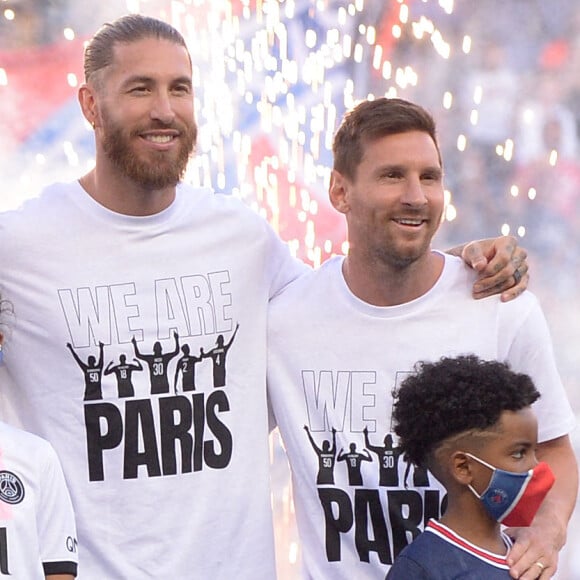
{"x":514,"y":498}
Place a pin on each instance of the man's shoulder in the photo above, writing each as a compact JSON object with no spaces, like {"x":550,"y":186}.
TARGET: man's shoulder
{"x":460,"y":277}
{"x":313,"y":282}
{"x":48,"y":203}
{"x":232,"y":213}
{"x":191,"y":194}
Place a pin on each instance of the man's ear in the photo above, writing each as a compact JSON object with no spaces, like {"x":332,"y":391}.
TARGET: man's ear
{"x":338,"y":192}
{"x":460,"y":468}
{"x":88,"y":103}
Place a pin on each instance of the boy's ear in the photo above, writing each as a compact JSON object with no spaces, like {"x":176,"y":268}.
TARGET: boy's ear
{"x":460,"y":468}
{"x":338,"y":192}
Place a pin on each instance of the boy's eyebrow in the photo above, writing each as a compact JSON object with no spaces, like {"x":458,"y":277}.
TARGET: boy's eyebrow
{"x":523,"y":442}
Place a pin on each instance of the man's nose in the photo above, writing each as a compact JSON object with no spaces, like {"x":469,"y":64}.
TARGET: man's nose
{"x":162,"y":108}
{"x":413,"y":193}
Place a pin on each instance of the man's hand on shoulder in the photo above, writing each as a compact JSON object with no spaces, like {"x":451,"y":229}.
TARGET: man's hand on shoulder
{"x":501,"y":264}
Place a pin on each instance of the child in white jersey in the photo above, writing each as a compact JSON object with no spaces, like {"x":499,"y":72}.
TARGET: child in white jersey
{"x":37,"y":528}
{"x":470,"y":422}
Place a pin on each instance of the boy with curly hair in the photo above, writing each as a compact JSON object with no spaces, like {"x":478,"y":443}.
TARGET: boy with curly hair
{"x":471,"y":423}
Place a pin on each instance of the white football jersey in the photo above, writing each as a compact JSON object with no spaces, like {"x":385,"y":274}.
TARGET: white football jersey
{"x":37,"y":528}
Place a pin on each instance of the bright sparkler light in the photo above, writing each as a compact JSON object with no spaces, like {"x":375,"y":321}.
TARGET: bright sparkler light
{"x":450,"y":212}
{"x":266,"y":69}
{"x":466,"y":45}
{"x":508,"y":150}
{"x":387,"y":71}
{"x":441,"y":46}
{"x":474,"y":117}
{"x":447,"y":100}
{"x":447,"y":5}
{"x":423,"y":27}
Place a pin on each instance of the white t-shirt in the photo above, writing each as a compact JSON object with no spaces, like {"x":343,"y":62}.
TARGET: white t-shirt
{"x":166,"y":482}
{"x":333,"y":362}
{"x":37,"y":527}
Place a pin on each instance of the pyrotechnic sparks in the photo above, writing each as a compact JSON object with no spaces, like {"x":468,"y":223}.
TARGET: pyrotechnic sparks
{"x":272,"y":79}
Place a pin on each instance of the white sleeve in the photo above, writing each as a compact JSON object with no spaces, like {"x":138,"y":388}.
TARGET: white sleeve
{"x":531,"y":352}
{"x":55,"y":519}
{"x":282,"y":268}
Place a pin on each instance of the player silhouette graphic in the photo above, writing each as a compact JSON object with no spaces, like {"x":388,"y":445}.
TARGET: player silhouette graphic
{"x":326,"y":458}
{"x":157,"y":363}
{"x":420,"y":476}
{"x":388,"y":456}
{"x":186,"y":366}
{"x":123,"y":372}
{"x":354,"y":460}
{"x":218,"y":356}
{"x":93,"y":371}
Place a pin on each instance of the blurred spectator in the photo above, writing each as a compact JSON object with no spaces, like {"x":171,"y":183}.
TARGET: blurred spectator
{"x":545,"y":123}
{"x":28,"y":23}
{"x":488,"y":101}
{"x":547,"y":172}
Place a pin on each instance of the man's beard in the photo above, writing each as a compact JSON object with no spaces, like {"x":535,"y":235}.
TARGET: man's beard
{"x":399,"y":259}
{"x":159,"y":170}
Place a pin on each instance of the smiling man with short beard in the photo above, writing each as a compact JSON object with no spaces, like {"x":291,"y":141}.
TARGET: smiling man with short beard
{"x":358,"y":325}
{"x":162,"y":170}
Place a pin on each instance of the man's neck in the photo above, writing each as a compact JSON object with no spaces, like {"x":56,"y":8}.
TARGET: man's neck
{"x":124,"y":196}
{"x":380,"y":284}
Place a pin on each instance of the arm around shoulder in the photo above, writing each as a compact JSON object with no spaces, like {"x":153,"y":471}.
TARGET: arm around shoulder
{"x":560,"y":501}
{"x":543,"y":540}
{"x":501,"y":265}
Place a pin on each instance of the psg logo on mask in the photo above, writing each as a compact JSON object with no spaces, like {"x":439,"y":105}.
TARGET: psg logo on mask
{"x":498,"y":497}
{"x":11,"y":488}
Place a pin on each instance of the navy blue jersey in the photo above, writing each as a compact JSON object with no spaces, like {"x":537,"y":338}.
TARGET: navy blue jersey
{"x":440,"y":554}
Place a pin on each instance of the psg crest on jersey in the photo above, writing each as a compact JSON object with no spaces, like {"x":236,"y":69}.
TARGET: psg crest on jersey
{"x":11,"y":488}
